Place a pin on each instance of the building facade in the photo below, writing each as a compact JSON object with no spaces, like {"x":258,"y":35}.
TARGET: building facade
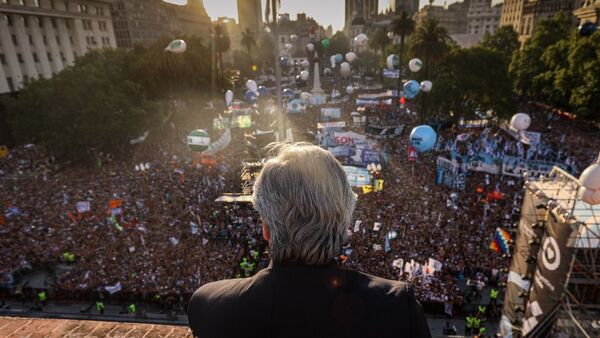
{"x":145,"y":21}
{"x":588,"y":12}
{"x":453,"y":18}
{"x":482,"y":17}
{"x":524,"y":15}
{"x":39,"y":38}
{"x":250,"y":15}
{"x":365,"y":9}
{"x":409,"y":6}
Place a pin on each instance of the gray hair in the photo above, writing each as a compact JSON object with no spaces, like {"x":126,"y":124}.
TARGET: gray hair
{"x":303,"y":196}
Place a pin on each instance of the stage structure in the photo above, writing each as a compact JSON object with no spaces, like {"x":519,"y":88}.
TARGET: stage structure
{"x":553,"y":287}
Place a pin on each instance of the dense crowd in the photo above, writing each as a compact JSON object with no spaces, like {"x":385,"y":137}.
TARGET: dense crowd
{"x":169,"y":236}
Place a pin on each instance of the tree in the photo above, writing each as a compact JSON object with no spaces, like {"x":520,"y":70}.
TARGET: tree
{"x":402,"y":25}
{"x":338,"y":45}
{"x":93,"y":105}
{"x":526,"y":66}
{"x":248,"y":41}
{"x":379,"y":41}
{"x":430,"y":41}
{"x":470,"y":79}
{"x":505,"y":40}
{"x":222,"y":44}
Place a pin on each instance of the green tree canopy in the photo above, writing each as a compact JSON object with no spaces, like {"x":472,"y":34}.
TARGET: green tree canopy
{"x":95,"y":104}
{"x":505,"y":40}
{"x":339,"y":44}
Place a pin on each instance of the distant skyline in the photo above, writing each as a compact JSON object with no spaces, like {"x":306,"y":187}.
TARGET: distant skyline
{"x":325,"y":12}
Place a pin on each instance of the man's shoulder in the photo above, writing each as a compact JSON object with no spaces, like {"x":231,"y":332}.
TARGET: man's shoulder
{"x":381,"y":287}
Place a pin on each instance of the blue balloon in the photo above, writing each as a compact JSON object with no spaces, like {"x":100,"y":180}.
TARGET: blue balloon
{"x":411,"y":89}
{"x":250,"y":97}
{"x":587,"y":29}
{"x":423,"y":138}
{"x":339,"y":58}
{"x":262,"y":91}
{"x":289,"y":93}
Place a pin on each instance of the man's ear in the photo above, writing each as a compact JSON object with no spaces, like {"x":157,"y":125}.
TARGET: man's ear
{"x":266,"y":233}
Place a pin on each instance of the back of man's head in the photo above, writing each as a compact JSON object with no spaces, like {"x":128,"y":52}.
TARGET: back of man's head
{"x":303,"y":196}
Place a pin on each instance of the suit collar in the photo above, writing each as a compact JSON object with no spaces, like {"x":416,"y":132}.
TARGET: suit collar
{"x":288,"y":264}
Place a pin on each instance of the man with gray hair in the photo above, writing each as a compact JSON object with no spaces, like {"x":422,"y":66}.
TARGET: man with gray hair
{"x":306,"y":204}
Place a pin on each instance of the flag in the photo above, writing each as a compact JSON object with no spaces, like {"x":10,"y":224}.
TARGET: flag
{"x":83,"y":206}
{"x":114,"y":288}
{"x":433,"y":266}
{"x":194,"y":227}
{"x":376,"y":226}
{"x":357,"y":226}
{"x":501,"y":241}
{"x":174,"y":240}
{"x":378,"y":185}
{"x":387,"y":244}
{"x":115,"y":223}
{"x":377,"y":247}
{"x":463,"y":137}
{"x":116,"y":212}
{"x":72,"y":217}
{"x":367,"y":189}
{"x":115,"y":203}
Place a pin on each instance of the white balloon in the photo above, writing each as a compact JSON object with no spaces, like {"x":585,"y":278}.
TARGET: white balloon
{"x":327,"y":71}
{"x":590,"y":177}
{"x":304,"y":75}
{"x":345,"y":69}
{"x":426,"y":86}
{"x":590,"y":196}
{"x":147,"y":165}
{"x":305,"y":63}
{"x":137,"y":167}
{"x":252,"y":86}
{"x":415,"y":65}
{"x":228,"y":97}
{"x":289,"y":46}
{"x":350,"y":90}
{"x":306,"y":96}
{"x":293,"y":37}
{"x":176,"y":46}
{"x":310,"y":47}
{"x":361,"y":39}
{"x":520,"y":121}
{"x":351,"y":57}
{"x":332,"y":60}
{"x":393,"y":61}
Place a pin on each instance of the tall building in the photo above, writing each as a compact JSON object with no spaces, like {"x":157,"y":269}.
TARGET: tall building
{"x":482,"y":17}
{"x":524,"y":15}
{"x":589,"y":11}
{"x":250,"y":15}
{"x":408,"y":6}
{"x":453,"y":18}
{"x":39,"y":38}
{"x":365,"y":9}
{"x":145,"y":21}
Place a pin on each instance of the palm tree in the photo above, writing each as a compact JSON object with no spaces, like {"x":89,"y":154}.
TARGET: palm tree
{"x":379,"y":41}
{"x":222,"y":43}
{"x":403,"y":25}
{"x":248,"y":41}
{"x":430,"y":41}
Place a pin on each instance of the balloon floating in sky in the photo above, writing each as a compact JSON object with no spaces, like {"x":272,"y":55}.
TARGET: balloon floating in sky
{"x":587,"y":28}
{"x":332,"y":60}
{"x":393,"y":62}
{"x":327,"y":71}
{"x":304,"y":75}
{"x":590,"y":183}
{"x":288,"y":46}
{"x":339,"y":58}
{"x":415,"y":65}
{"x":228,"y":97}
{"x":293,"y":37}
{"x":288,"y":93}
{"x":252,"y":86}
{"x":284,"y":61}
{"x":520,"y":121}
{"x":411,"y":89}
{"x":198,"y":140}
{"x":262,"y":91}
{"x":426,"y":86}
{"x":305,"y":63}
{"x":325,"y":43}
{"x":350,"y":90}
{"x":361,"y":40}
{"x":176,"y":46}
{"x":345,"y":69}
{"x":423,"y":138}
{"x":310,"y":47}
{"x":351,"y":57}
{"x":306,"y":96}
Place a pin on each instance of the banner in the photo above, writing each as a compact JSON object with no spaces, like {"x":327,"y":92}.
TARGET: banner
{"x":349,"y":138}
{"x":296,"y":106}
{"x":517,"y":167}
{"x":83,"y":206}
{"x":378,"y":186}
{"x":357,"y":177}
{"x":553,"y":265}
{"x":483,"y":162}
{"x":384,"y":132}
{"x":242,"y":121}
{"x":113,"y":288}
{"x":398,"y":263}
{"x":448,"y":174}
{"x":324,"y":125}
{"x":526,"y":137}
{"x":522,"y":266}
{"x":390,"y":74}
{"x":115,"y":203}
{"x":433,"y":265}
{"x":332,"y":113}
{"x":501,"y":241}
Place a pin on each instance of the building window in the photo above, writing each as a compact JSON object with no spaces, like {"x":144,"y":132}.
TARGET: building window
{"x":21,"y":2}
{"x":35,"y":57}
{"x":20,"y":57}
{"x":11,"y":85}
{"x":62,"y":57}
{"x":30,"y":39}
{"x":45,"y":40}
{"x":68,"y":24}
{"x":36,"y":3}
{"x":2,"y":59}
{"x":54,"y":25}
{"x":14,"y":40}
{"x":71,"y":39}
{"x":57,"y":40}
{"x":49,"y":57}
{"x":9,"y":20}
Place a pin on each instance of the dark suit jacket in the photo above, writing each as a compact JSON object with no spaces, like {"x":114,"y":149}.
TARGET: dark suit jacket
{"x":290,"y":301}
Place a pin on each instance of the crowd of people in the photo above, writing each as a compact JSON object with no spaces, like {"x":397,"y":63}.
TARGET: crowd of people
{"x":158,"y":232}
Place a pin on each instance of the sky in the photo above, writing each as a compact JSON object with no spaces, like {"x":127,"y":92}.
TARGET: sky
{"x":326,"y":12}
